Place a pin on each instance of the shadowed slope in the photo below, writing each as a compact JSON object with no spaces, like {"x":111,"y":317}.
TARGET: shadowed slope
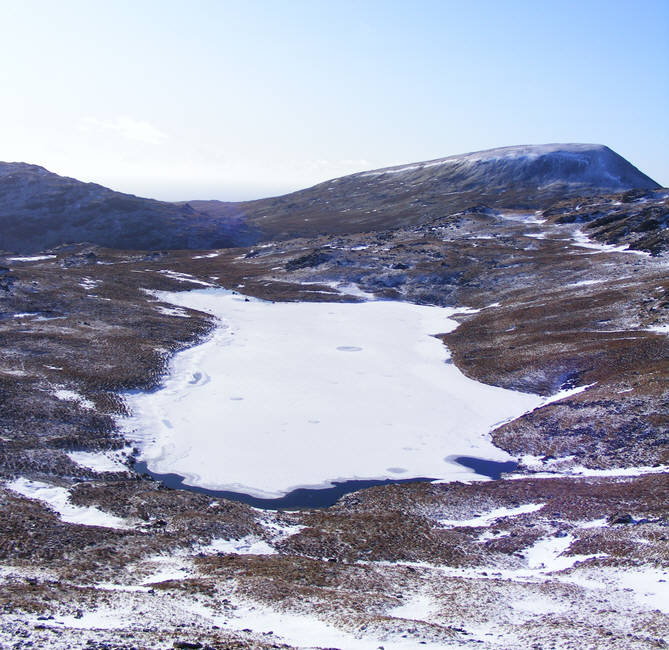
{"x":39,"y":209}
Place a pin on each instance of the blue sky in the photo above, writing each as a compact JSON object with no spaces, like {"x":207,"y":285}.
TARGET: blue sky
{"x":236,"y":100}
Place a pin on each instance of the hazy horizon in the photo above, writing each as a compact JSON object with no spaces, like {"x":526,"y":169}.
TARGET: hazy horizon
{"x":162,"y":191}
{"x":234,"y":101}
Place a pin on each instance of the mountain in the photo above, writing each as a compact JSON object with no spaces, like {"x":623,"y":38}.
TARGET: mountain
{"x":39,"y":209}
{"x":523,"y":177}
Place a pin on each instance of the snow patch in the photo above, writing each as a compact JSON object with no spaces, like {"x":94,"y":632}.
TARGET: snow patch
{"x":536,"y":464}
{"x":89,"y":283}
{"x":648,"y":586}
{"x":539,"y":606}
{"x":99,"y":461}
{"x":583,"y":241}
{"x":492,"y":516}
{"x":417,"y":608}
{"x":566,"y":392}
{"x":249,"y":545}
{"x":58,"y":499}
{"x":172,"y":311}
{"x":33,"y":258}
{"x":184,"y":277}
{"x":72,"y":396}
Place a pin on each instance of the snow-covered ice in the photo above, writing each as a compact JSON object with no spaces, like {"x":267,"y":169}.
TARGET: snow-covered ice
{"x":287,"y":395}
{"x":58,"y":498}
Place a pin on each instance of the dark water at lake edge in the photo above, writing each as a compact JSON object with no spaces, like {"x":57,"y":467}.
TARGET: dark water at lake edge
{"x":322,"y":497}
{"x":491,"y":468}
{"x":299,"y":498}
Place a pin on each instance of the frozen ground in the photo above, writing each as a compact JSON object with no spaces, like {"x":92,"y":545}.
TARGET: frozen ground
{"x":287,"y":395}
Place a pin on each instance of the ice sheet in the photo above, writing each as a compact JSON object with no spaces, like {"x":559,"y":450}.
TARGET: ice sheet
{"x":287,"y":395}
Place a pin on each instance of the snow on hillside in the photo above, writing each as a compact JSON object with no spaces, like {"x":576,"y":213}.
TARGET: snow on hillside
{"x":547,"y":163}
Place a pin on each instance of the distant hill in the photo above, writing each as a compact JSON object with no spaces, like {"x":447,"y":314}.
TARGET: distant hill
{"x":39,"y":209}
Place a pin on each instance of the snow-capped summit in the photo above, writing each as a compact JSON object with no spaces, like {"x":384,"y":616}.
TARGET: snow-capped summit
{"x":527,"y":177}
{"x":593,"y":165}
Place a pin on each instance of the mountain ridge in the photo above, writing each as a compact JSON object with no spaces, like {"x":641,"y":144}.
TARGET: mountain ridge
{"x":524,"y":177}
{"x":39,"y":209}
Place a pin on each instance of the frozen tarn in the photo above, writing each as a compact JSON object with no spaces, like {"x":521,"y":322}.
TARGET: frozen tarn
{"x":208,"y":255}
{"x":303,"y":394}
{"x":99,"y":461}
{"x":34,"y":258}
{"x":492,"y":516}
{"x":66,"y":395}
{"x":58,"y":498}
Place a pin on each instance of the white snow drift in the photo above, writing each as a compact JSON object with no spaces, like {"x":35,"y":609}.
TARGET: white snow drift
{"x":58,"y":498}
{"x":287,"y":395}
